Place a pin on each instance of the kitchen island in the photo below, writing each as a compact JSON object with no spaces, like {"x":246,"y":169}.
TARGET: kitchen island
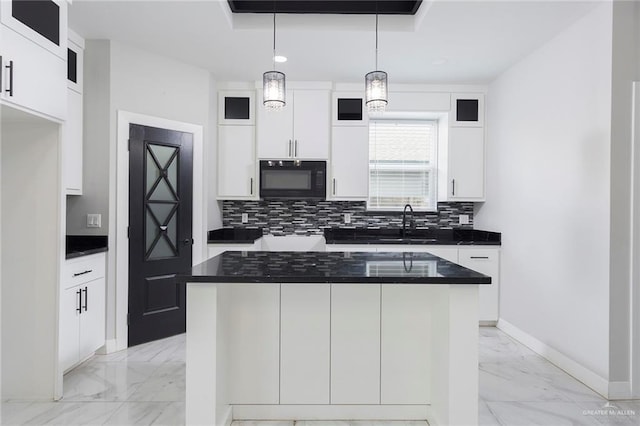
{"x":332,"y":335}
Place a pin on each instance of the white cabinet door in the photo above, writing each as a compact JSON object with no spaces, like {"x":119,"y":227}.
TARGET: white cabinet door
{"x":466,"y":164}
{"x":275,"y":130}
{"x":485,"y":261}
{"x":311,"y":124}
{"x":406,"y":344}
{"x":349,"y":163}
{"x":68,"y":348}
{"x":92,"y":319}
{"x":236,"y":163}
{"x":304,"y":343}
{"x":254,"y":349}
{"x":37,"y":79}
{"x":355,"y":344}
{"x":73,"y":144}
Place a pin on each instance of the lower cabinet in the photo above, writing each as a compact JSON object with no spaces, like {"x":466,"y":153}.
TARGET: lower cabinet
{"x":253,"y":348}
{"x":82,"y":310}
{"x":355,"y":344}
{"x":405,"y":354}
{"x":486,"y":261}
{"x":304,"y":343}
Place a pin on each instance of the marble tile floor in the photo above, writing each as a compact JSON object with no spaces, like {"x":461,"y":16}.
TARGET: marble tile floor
{"x":145,"y":385}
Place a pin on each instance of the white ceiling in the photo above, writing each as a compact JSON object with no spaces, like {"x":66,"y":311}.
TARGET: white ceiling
{"x":477,"y":39}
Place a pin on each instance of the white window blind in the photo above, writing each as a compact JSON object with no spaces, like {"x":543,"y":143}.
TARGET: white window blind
{"x":402,"y":161}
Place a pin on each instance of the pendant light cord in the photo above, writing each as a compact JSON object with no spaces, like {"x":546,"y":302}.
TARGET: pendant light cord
{"x":274,"y":36}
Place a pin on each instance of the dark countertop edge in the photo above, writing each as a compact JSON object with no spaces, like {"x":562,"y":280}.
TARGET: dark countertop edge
{"x":334,"y":280}
{"x":416,"y":243}
{"x":76,"y":254}
{"x":233,"y":241}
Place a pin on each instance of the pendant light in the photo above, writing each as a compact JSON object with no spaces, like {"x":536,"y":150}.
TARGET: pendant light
{"x":273,"y":82}
{"x":375,"y":84}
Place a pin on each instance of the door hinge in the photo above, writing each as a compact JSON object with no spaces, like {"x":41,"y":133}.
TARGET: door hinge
{"x":128,"y":319}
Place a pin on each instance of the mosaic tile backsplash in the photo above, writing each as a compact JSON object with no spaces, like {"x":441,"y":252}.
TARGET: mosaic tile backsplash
{"x":307,"y":217}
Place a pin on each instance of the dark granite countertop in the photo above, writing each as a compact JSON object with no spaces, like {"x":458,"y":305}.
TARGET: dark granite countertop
{"x":84,"y":245}
{"x":413,"y":236}
{"x":234,"y":235}
{"x":331,"y":267}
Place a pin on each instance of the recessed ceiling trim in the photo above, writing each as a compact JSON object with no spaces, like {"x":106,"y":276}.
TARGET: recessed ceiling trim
{"x":350,"y":7}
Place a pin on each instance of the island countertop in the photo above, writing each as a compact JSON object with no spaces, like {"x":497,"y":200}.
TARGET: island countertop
{"x":331,"y":267}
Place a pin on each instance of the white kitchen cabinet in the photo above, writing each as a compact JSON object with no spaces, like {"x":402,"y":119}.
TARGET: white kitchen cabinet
{"x":405,"y":357}
{"x":72,"y":129}
{"x":467,"y":110}
{"x":33,"y":78}
{"x":355,"y":344}
{"x":300,"y":130}
{"x":236,"y":107}
{"x":461,"y":174}
{"x":486,"y":261}
{"x":82,"y":309}
{"x":349,"y":178}
{"x":348,"y":109}
{"x":304,"y":343}
{"x":236,"y":163}
{"x":254,"y":343}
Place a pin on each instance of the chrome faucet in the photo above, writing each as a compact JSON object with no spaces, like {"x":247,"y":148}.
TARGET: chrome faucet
{"x":404,"y":219}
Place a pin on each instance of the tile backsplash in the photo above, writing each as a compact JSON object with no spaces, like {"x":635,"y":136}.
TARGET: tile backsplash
{"x":302,"y":217}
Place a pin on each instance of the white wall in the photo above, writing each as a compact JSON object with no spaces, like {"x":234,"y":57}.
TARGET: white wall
{"x":548,"y":190}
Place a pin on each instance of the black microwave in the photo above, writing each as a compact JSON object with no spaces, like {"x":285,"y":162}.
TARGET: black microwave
{"x":293,"y":179}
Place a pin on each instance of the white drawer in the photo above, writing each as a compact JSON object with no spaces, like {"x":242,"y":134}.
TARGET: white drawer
{"x":83,"y":269}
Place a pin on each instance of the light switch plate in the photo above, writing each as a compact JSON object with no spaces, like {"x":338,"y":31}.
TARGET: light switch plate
{"x":347,"y":218}
{"x":463,"y":219}
{"x":245,"y":218}
{"x":94,"y":220}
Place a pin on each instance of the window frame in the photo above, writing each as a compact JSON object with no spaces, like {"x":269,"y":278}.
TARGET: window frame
{"x":433,"y":184}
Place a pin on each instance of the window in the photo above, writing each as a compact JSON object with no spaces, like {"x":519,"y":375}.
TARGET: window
{"x":402,"y":164}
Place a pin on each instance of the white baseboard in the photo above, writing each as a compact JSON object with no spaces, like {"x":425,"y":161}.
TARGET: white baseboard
{"x":227,"y":417}
{"x":331,"y":412}
{"x":586,"y":376}
{"x":620,"y":390}
{"x":109,"y":347}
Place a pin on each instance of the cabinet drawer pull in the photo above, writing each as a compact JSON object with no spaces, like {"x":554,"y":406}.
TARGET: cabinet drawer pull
{"x":79,"y":308}
{"x":10,"y":67}
{"x":86,"y":298}
{"x":251,"y":186}
{"x":295,"y":149}
{"x":479,"y":257}
{"x":290,"y":149}
{"x":88,"y":271}
{"x":453,"y":187}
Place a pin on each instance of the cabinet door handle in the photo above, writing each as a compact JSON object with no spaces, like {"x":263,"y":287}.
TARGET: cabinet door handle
{"x":453,"y":187}
{"x":295,"y":149}
{"x":479,"y":257}
{"x":86,"y":298}
{"x":290,"y":148}
{"x":251,"y":186}
{"x":334,"y":186}
{"x":77,"y":274}
{"x":10,"y":67}
{"x":79,"y":308}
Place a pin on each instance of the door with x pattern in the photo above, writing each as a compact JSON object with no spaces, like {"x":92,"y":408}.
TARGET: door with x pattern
{"x":160,"y":230}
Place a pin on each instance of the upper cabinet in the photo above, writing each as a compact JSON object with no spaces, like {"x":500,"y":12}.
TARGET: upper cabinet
{"x":33,"y":56}
{"x":300,"y":130}
{"x":73,"y":128}
{"x":348,"y":109}
{"x":236,"y":108}
{"x":467,"y":110}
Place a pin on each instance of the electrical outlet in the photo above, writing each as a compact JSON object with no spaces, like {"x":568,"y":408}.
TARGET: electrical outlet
{"x":94,"y":220}
{"x":347,"y":218}
{"x":245,"y":218}
{"x":463,"y":219}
